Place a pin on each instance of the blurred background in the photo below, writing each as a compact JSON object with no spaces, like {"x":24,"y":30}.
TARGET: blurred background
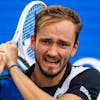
{"x":88,"y":52}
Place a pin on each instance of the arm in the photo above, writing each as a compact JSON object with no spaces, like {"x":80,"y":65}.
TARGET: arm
{"x":27,"y":87}
{"x":30,"y":91}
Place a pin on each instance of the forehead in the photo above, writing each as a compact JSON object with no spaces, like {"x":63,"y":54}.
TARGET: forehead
{"x":62,"y":30}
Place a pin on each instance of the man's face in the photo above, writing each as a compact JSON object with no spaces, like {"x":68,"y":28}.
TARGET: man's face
{"x":53,"y":46}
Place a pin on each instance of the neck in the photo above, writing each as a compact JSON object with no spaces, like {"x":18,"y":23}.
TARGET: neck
{"x":43,"y":81}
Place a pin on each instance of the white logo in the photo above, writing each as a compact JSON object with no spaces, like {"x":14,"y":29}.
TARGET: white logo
{"x":85,"y":91}
{"x":98,"y":98}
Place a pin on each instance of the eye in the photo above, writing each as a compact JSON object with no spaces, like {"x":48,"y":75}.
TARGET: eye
{"x":46,"y":41}
{"x":63,"y":44}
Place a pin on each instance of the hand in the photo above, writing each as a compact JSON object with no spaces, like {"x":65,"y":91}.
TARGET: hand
{"x":2,"y":61}
{"x":11,"y":52}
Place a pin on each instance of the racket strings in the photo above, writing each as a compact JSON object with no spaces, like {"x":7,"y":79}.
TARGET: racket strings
{"x":28,"y":28}
{"x":30,"y":53}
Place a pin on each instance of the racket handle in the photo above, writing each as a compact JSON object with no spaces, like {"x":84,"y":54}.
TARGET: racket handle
{"x":16,"y":36}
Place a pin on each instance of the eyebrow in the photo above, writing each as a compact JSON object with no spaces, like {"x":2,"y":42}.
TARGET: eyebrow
{"x":67,"y":42}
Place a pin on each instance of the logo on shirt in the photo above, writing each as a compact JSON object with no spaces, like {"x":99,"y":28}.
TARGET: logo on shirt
{"x":85,"y":91}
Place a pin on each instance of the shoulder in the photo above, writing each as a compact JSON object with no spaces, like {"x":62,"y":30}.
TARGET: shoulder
{"x":81,"y":81}
{"x":86,"y":83}
{"x":86,"y":75}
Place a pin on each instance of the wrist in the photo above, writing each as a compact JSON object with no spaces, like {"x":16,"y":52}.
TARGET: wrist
{"x":12,"y":66}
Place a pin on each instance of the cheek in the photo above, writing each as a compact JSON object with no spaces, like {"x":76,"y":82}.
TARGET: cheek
{"x":65,"y":59}
{"x":65,"y":55}
{"x":39,"y":51}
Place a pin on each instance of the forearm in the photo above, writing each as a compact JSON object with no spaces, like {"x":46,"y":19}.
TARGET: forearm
{"x":27,"y":88}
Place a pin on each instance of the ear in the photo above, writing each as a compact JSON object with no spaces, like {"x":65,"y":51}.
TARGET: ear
{"x":74,"y":48}
{"x":32,"y":42}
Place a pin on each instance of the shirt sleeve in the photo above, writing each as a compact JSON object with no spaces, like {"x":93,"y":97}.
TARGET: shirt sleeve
{"x":86,"y":85}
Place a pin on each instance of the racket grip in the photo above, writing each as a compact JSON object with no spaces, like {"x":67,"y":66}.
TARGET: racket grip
{"x":16,"y":36}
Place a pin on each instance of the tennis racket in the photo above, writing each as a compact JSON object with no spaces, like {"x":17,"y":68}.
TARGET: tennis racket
{"x":23,"y":32}
{"x":25,"y":29}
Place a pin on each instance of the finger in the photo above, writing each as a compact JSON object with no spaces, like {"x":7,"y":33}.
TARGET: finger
{"x":2,"y":45}
{"x":2,"y":58}
{"x":1,"y":69}
{"x":2,"y":61}
{"x":11,"y":42}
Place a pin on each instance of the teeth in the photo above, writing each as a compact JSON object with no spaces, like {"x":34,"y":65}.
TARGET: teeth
{"x":52,"y":61}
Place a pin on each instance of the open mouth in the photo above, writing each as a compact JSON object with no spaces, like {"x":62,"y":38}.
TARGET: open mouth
{"x":52,"y":60}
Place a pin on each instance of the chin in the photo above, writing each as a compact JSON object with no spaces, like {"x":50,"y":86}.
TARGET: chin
{"x":50,"y":72}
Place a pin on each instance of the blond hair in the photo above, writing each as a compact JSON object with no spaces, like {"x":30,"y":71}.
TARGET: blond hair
{"x":53,"y":14}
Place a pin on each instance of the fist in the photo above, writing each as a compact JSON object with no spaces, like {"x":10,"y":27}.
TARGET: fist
{"x":11,"y":52}
{"x":2,"y":61}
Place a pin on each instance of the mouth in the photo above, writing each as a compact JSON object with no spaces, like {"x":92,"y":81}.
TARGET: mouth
{"x":52,"y":60}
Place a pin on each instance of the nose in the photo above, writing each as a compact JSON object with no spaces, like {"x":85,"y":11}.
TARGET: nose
{"x":53,"y":51}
